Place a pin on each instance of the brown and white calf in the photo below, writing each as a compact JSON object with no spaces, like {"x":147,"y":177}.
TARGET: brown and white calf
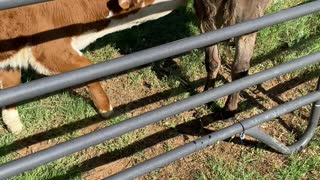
{"x":213,"y":14}
{"x":48,"y":37}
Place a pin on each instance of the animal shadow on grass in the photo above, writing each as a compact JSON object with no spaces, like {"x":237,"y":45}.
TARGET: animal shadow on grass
{"x":124,"y":42}
{"x":169,"y":28}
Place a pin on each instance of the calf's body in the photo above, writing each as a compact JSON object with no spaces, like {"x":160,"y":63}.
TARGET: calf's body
{"x":48,"y":37}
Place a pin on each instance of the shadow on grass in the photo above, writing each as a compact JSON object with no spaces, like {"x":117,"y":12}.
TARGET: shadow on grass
{"x":172,"y":27}
{"x":193,"y":127}
{"x":284,"y":48}
{"x":55,"y":132}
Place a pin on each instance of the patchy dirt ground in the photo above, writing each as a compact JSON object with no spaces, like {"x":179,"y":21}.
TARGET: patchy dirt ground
{"x":183,"y":128}
{"x":158,"y":138}
{"x":161,"y":137}
{"x":134,"y":97}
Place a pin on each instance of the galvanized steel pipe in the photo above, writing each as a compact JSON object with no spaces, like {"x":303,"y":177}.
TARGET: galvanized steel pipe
{"x":45,"y":156}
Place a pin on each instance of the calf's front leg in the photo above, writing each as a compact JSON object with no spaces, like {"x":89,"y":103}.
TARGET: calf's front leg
{"x":63,"y":58}
{"x":10,"y":116}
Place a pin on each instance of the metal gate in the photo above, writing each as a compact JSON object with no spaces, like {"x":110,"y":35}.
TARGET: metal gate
{"x":249,"y":126}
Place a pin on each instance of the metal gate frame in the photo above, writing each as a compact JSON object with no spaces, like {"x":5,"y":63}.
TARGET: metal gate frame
{"x":54,"y":83}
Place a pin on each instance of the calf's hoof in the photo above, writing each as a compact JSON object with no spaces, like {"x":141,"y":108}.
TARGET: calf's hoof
{"x":12,"y":120}
{"x":106,"y":113}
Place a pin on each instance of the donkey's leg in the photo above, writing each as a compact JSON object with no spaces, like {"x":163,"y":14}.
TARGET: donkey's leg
{"x":213,"y":64}
{"x":212,"y":58}
{"x":240,"y":67}
{"x":207,"y":13}
{"x":64,"y":58}
{"x":10,"y":116}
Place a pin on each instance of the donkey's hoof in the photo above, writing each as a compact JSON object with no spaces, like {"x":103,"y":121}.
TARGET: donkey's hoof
{"x":209,"y":105}
{"x":228,"y":115}
{"x":12,"y":120}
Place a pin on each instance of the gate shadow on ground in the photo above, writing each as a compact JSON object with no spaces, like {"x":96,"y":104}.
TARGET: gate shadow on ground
{"x":67,"y":128}
{"x":193,"y":127}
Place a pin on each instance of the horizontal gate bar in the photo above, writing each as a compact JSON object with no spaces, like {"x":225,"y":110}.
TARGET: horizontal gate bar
{"x":7,"y":4}
{"x":210,"y":139}
{"x":63,"y":149}
{"x":54,"y":83}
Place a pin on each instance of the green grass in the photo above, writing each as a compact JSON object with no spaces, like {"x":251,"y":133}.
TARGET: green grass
{"x":286,"y":41}
{"x":300,"y":167}
{"x":63,"y":116}
{"x":217,"y":169}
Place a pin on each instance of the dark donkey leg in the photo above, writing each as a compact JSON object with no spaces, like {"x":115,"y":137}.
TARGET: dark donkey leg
{"x":210,"y":15}
{"x":212,"y":57}
{"x":244,"y":51}
{"x":243,"y":10}
{"x":213,"y":64}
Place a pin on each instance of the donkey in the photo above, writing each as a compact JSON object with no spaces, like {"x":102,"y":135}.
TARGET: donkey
{"x":213,"y":14}
{"x":48,"y":37}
